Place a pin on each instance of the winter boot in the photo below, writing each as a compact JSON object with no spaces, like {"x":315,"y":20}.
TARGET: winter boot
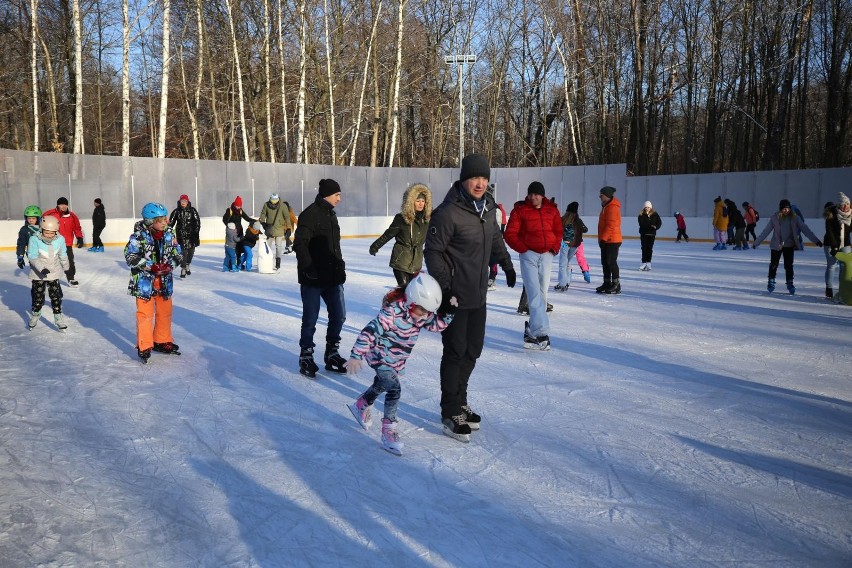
{"x":770,"y":285}
{"x":390,"y":437}
{"x":829,"y":293}
{"x":183,"y":272}
{"x":473,"y":419}
{"x":603,"y":287}
{"x":277,"y":262}
{"x":738,"y":247}
{"x":361,"y":411}
{"x":59,"y":320}
{"x":491,"y":285}
{"x":718,"y":246}
{"x":307,"y":366}
{"x":333,"y":361}
{"x":790,"y":287}
{"x":144,"y":354}
{"x":456,"y":427}
{"x":615,"y":288}
{"x":587,"y":276}
{"x":188,"y":271}
{"x":34,"y":319}
{"x":644,"y":266}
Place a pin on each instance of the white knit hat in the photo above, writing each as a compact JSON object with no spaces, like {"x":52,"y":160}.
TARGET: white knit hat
{"x":841,"y":198}
{"x":648,"y":205}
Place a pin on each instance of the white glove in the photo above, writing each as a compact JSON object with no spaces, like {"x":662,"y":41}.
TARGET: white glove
{"x":353,"y":365}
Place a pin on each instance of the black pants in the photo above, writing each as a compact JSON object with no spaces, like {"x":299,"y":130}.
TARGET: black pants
{"x":609,"y":261}
{"x":647,"y":247}
{"x":96,"y":237}
{"x":287,"y":240}
{"x":682,"y":233}
{"x":72,"y":268}
{"x":463,"y":341}
{"x":187,"y":251}
{"x":402,"y":278}
{"x":775,"y":257}
{"x":750,"y":231}
{"x":54,"y":291}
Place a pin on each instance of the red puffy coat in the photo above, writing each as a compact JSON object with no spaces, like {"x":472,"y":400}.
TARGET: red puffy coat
{"x":69,"y":225}
{"x":538,"y":230}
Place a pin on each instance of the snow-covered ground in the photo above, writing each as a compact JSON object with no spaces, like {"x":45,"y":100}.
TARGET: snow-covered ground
{"x":694,"y":420}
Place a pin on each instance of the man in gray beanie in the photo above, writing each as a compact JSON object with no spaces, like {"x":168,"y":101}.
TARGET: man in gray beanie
{"x":463,"y":234}
{"x":321,"y":273}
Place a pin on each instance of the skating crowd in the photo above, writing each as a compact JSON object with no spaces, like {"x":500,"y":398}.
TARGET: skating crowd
{"x":462,"y":242}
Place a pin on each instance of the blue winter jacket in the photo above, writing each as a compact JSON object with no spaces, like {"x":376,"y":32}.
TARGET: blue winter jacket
{"x":143,"y":251}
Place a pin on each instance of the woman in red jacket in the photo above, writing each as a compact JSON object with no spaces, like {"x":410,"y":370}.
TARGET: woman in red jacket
{"x":609,"y":239}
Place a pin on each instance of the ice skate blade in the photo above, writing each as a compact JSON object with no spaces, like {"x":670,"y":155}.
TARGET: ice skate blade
{"x":397,"y":451}
{"x":460,"y":437}
{"x":354,"y":410}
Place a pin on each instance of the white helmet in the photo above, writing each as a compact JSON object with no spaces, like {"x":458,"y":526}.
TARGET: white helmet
{"x":424,"y":291}
{"x":50,"y":223}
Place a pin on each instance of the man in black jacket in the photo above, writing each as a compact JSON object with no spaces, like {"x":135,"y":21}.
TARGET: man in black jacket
{"x":321,"y":272}
{"x":463,"y":234}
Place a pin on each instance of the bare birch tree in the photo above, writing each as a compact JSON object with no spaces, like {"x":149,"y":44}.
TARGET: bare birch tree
{"x":76,"y":21}
{"x":281,"y":65}
{"x":393,"y":108}
{"x":239,"y":74}
{"x":34,"y":70}
{"x":164,"y":79}
{"x":356,"y":130}
{"x":268,"y":80}
{"x":303,"y":38}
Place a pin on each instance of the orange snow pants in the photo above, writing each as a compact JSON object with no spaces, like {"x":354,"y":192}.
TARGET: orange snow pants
{"x":153,"y":322}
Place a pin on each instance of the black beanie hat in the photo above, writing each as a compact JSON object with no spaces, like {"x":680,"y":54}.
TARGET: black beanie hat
{"x":573,"y":207}
{"x":474,"y":165}
{"x":328,"y":187}
{"x":608,"y":190}
{"x":783,"y":203}
{"x":536,"y":188}
{"x":718,"y":199}
{"x":62,"y":201}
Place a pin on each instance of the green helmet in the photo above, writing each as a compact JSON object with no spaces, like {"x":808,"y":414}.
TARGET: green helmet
{"x":32,"y":211}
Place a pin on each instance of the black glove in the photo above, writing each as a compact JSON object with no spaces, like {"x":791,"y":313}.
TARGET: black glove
{"x":20,"y":262}
{"x":819,"y":244}
{"x":373,"y":251}
{"x":196,"y":241}
{"x":80,"y":243}
{"x":832,"y":252}
{"x":511,"y":277}
{"x":449,"y":303}
{"x":44,"y":272}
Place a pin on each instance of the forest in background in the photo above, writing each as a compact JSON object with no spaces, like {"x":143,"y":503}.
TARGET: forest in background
{"x":665,"y":86}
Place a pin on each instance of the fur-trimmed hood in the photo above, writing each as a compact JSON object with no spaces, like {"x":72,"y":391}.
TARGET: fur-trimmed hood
{"x":410,"y":196}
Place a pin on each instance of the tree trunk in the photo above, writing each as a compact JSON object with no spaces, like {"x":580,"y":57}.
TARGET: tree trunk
{"x":303,"y":36}
{"x":393,"y":107}
{"x":331,"y":126}
{"x":34,"y":70}
{"x":357,"y":126}
{"x":239,"y":73}
{"x":79,"y":147}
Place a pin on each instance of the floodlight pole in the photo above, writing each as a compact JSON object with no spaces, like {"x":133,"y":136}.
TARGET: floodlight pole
{"x":460,"y":60}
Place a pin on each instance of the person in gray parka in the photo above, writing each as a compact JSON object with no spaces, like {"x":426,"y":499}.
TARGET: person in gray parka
{"x":275,"y":218}
{"x":409,"y":229}
{"x":784,"y":226}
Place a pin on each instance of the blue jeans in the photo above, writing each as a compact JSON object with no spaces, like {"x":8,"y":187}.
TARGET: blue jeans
{"x":334,"y":303}
{"x":247,"y":257}
{"x":230,"y":262}
{"x":535,"y":270}
{"x":565,"y":256}
{"x":386,"y":381}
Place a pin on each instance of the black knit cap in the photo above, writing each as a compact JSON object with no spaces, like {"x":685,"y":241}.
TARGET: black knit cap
{"x":328,"y":187}
{"x":536,"y":188}
{"x":62,"y":201}
{"x":573,"y":207}
{"x":608,"y":190}
{"x":474,"y":165}
{"x":783,"y":203}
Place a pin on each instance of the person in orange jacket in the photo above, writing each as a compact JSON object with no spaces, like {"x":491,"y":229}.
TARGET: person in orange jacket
{"x":69,"y":228}
{"x":609,"y":239}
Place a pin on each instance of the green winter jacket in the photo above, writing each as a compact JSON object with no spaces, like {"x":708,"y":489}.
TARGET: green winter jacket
{"x":407,"y":253}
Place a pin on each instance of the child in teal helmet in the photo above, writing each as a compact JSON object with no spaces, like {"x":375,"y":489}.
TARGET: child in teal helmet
{"x":152,"y":253}
{"x":32,"y":217}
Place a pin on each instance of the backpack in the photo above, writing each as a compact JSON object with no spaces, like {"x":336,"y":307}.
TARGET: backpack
{"x":756,"y":215}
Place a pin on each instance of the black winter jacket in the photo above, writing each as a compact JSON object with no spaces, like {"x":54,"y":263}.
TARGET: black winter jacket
{"x":317,"y":245}
{"x":99,"y":217}
{"x":187,"y":225}
{"x":459,"y":244}
{"x":236,"y":216}
{"x":648,"y":224}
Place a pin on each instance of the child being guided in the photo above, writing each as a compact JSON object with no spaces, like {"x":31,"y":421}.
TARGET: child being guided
{"x":386,"y":343}
{"x":48,"y":258}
